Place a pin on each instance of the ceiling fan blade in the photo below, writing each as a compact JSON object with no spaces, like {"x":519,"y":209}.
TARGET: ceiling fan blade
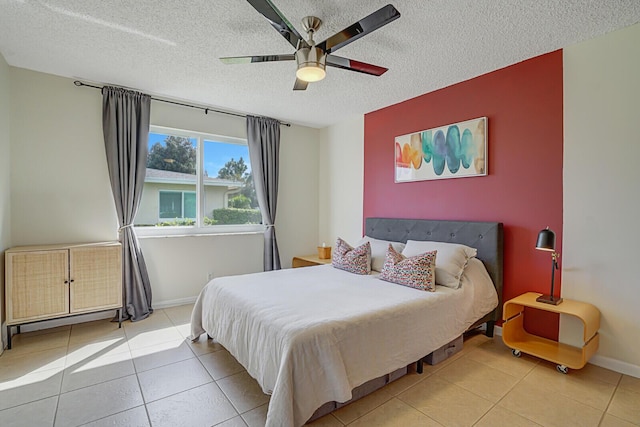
{"x":350,"y":64}
{"x":277,"y":20}
{"x":361,"y":28}
{"x":257,"y":58}
{"x":300,"y":85}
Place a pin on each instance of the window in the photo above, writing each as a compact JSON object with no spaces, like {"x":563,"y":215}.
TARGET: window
{"x":177,"y":204}
{"x":197,"y":182}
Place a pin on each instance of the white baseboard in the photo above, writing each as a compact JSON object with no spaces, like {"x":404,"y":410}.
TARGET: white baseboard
{"x":497,"y":330}
{"x":616,"y":365}
{"x":174,"y":302}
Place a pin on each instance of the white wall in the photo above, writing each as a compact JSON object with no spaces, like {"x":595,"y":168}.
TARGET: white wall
{"x":60,"y":190}
{"x":297,"y":213}
{"x":180,"y":266}
{"x":60,"y":186}
{"x":5,"y":180}
{"x":601,"y":190}
{"x":342,"y":181}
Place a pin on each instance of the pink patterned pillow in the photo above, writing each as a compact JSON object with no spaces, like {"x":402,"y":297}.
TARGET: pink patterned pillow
{"x":415,"y":272}
{"x":357,"y":260}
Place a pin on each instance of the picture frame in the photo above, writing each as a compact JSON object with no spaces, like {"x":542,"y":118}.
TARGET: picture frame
{"x":457,"y":150}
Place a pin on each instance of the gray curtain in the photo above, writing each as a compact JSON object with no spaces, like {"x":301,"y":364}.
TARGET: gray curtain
{"x":125,"y":124}
{"x":263,"y":136}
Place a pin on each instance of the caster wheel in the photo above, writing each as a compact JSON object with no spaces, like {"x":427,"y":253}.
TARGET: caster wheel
{"x":562,"y":369}
{"x":516,"y":353}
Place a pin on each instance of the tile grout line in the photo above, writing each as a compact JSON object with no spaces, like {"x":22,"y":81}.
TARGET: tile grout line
{"x":606,"y":410}
{"x":507,"y":393}
{"x":338,"y":421}
{"x":144,"y":402}
{"x":448,"y":361}
{"x":494,"y":405}
{"x":172,"y":394}
{"x":64,"y":370}
{"x":115,"y":413}
{"x":521,"y":380}
{"x":367,"y":412}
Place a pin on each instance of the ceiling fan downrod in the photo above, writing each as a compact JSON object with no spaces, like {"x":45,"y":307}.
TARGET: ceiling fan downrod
{"x":311,"y":60}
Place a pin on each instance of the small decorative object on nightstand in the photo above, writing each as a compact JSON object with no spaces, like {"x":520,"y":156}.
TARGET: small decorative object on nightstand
{"x":566,"y":356}
{"x":547,"y":242}
{"x":308,"y":261}
{"x":324,"y":252}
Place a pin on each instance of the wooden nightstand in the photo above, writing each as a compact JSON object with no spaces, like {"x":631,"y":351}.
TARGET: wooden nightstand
{"x":308,"y":260}
{"x":566,"y":356}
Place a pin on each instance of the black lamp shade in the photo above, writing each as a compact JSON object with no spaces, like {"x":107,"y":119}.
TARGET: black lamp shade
{"x":546,"y":240}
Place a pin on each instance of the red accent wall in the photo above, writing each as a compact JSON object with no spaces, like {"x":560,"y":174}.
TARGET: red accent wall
{"x":523,"y":104}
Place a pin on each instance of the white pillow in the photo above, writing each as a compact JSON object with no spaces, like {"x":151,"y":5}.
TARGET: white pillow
{"x":484,"y":291}
{"x":451,"y":260}
{"x":379,"y":250}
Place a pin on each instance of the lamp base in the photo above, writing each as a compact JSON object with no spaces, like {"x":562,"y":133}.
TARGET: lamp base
{"x":549,"y":299}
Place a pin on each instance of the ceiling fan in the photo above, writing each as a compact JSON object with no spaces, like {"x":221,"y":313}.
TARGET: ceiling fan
{"x":312,"y":58}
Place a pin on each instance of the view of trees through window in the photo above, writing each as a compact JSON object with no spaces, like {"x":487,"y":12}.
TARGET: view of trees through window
{"x":177,"y":154}
{"x":172,"y":188}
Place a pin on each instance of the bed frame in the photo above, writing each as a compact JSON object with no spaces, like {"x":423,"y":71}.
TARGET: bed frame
{"x":486,"y":237}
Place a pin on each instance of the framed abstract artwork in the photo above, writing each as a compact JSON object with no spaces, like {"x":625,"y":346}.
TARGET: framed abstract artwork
{"x":452,"y":151}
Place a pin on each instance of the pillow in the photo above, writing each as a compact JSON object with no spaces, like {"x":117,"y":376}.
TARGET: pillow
{"x":485,"y":296}
{"x":452,"y":259}
{"x":415,"y":272}
{"x":357,"y":260}
{"x":379,"y":250}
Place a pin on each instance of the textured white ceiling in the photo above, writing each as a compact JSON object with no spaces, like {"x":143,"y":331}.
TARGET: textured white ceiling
{"x":171,"y":48}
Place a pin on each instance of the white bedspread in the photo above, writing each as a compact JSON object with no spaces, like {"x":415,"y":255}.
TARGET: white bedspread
{"x":311,"y":335}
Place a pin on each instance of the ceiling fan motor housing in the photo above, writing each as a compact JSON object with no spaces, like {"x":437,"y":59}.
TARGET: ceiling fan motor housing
{"x":311,"y":63}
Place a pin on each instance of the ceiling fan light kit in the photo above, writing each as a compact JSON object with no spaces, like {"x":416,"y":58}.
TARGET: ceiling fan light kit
{"x":312,"y":59}
{"x":311,"y":64}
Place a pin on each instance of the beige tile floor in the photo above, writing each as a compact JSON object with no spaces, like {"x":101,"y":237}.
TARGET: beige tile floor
{"x":147,"y":374}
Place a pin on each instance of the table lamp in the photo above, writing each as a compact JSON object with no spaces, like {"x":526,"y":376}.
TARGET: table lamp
{"x":547,"y":242}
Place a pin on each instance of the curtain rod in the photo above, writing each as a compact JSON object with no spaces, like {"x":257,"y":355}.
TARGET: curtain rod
{"x":206,"y":110}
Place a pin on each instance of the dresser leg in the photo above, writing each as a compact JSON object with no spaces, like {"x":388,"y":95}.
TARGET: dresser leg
{"x":8,"y":337}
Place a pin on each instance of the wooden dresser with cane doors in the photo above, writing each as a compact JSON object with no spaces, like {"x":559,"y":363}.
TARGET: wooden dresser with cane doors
{"x":53,"y":281}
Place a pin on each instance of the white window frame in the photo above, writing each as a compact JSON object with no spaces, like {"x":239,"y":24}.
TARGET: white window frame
{"x":199,"y":228}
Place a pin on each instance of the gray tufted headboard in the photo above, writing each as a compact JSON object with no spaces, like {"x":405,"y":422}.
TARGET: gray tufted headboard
{"x":487,"y":237}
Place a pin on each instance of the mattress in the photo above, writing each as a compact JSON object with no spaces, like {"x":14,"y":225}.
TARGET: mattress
{"x":311,"y":335}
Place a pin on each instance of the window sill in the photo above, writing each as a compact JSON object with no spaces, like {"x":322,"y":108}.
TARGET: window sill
{"x":161,"y":232}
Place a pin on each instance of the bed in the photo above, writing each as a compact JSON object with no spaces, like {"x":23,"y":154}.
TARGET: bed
{"x":317,"y":335}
